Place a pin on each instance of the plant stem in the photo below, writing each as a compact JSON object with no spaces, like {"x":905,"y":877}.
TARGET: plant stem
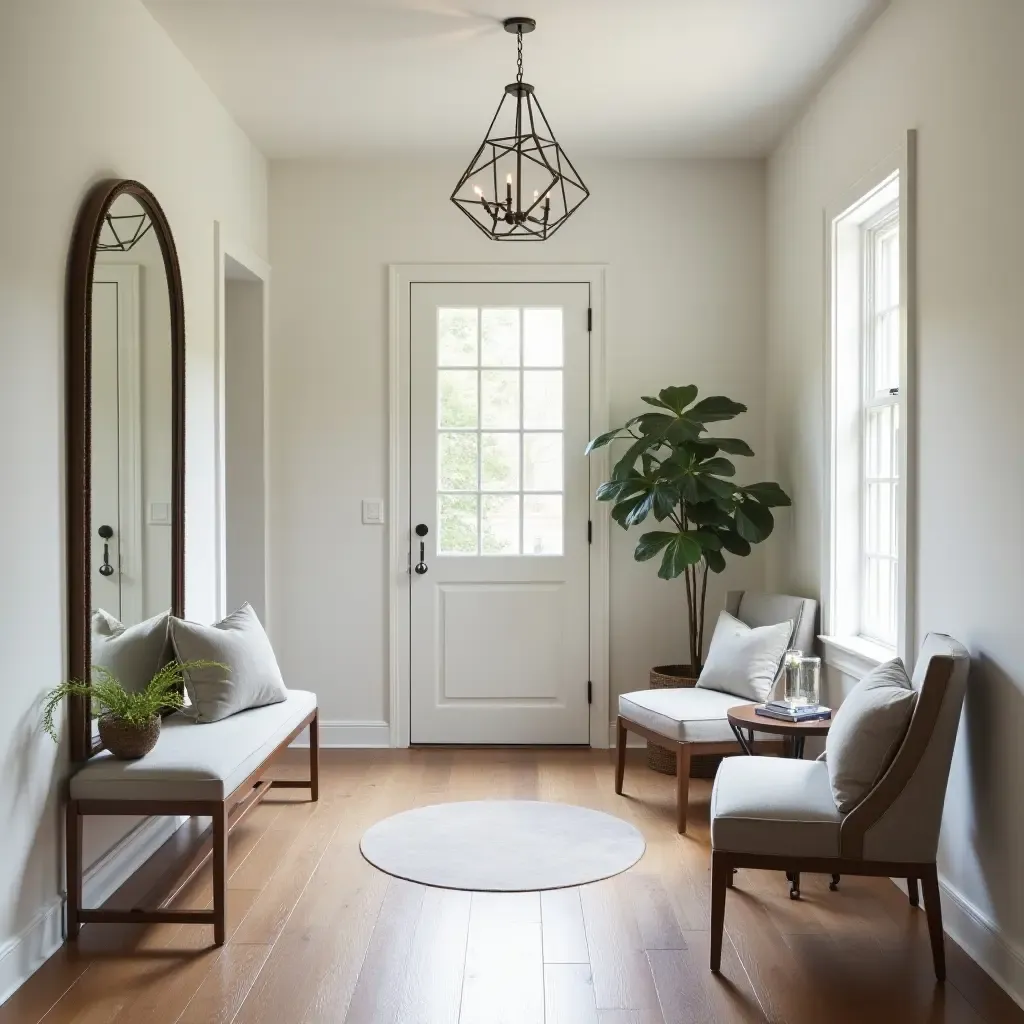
{"x":700,"y":631}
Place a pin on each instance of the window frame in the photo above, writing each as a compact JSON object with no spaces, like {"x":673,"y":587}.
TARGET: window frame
{"x":866,"y":207}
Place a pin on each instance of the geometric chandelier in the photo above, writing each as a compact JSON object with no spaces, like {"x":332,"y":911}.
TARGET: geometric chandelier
{"x":520,"y":186}
{"x":121,"y":233}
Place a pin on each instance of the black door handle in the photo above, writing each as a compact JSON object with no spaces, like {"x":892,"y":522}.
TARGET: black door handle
{"x":421,"y":566}
{"x":106,"y":532}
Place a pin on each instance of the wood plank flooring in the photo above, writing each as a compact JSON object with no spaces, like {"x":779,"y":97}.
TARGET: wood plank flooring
{"x":317,"y":935}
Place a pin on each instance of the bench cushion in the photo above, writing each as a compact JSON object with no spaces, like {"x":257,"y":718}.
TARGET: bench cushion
{"x":776,"y":806}
{"x":195,"y":762}
{"x":689,"y":714}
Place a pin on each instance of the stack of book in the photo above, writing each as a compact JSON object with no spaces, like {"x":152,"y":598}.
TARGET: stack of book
{"x":790,"y":713}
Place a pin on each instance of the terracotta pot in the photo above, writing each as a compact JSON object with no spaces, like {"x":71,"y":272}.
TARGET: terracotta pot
{"x":129,"y":742}
{"x":662,"y":759}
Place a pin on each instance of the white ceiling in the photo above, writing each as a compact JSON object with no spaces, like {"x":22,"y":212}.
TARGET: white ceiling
{"x":624,"y":77}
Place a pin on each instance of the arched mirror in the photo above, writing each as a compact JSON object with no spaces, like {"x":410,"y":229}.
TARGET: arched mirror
{"x":125,"y":429}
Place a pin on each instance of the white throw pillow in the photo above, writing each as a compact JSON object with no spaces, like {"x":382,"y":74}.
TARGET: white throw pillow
{"x":133,"y":654}
{"x":251,"y":678}
{"x":866,"y":732}
{"x":744,"y":661}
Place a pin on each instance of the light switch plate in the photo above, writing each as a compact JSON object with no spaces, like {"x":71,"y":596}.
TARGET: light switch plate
{"x":373,"y":511}
{"x":159,"y":513}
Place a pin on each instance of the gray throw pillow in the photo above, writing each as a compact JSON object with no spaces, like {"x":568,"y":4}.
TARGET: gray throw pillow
{"x":251,"y":678}
{"x":866,"y":732}
{"x":744,"y":661}
{"x":132,"y":654}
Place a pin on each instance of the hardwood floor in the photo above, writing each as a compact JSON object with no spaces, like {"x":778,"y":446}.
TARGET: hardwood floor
{"x":317,"y":935}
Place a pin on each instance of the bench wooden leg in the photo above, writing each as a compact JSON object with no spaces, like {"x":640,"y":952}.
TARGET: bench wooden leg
{"x":721,"y":880}
{"x":314,"y":757}
{"x":220,"y":875}
{"x":682,"y":785}
{"x":620,"y":753}
{"x":73,"y":842}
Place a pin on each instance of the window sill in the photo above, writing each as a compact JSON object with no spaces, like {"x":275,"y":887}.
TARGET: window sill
{"x":854,"y":655}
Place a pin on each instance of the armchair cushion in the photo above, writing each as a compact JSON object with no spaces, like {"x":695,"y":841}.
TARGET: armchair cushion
{"x":774,"y":806}
{"x":867,"y":731}
{"x":744,"y":661}
{"x":686,"y":714}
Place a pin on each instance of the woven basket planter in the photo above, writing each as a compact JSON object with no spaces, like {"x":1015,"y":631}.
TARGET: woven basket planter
{"x":129,"y":742}
{"x":662,"y":759}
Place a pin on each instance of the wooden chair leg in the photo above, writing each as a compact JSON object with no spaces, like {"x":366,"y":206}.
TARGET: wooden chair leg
{"x":721,"y":879}
{"x":913,"y":893}
{"x":620,"y":753}
{"x":73,"y":844}
{"x":933,"y":908}
{"x":682,"y":785}
{"x":314,"y":757}
{"x":220,"y":875}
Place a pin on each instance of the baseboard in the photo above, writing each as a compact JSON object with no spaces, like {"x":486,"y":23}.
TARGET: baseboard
{"x":349,"y":734}
{"x":21,"y":956}
{"x":632,"y":739}
{"x":1000,"y":958}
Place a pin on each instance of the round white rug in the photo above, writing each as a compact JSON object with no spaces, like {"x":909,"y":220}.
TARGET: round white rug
{"x":502,"y":845}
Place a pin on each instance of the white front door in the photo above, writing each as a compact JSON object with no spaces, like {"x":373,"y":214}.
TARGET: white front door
{"x":499,"y":501}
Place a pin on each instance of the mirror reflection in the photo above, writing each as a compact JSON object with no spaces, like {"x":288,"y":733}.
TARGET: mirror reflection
{"x":131,"y":510}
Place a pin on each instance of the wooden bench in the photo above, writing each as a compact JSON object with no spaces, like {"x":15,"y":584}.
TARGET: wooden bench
{"x":214,"y":771}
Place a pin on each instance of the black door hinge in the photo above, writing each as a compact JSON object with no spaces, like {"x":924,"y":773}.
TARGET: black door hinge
{"x":590,"y":692}
{"x":590,"y":531}
{"x":590,"y":319}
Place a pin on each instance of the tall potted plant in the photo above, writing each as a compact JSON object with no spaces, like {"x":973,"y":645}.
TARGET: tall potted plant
{"x":674,"y":471}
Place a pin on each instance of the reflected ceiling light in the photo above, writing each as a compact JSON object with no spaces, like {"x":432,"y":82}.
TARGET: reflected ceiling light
{"x":520,"y":186}
{"x":121,"y":233}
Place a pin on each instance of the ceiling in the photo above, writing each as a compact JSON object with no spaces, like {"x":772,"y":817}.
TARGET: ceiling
{"x":309,"y":78}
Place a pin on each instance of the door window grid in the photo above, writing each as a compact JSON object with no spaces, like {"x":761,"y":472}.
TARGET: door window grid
{"x":500,"y":471}
{"x":880,"y":429}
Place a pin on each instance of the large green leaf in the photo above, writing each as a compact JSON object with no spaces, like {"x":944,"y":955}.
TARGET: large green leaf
{"x":707,"y":513}
{"x":719,"y":467}
{"x":767,"y":493}
{"x":732,"y":445}
{"x":666,"y":497}
{"x":734,"y":543}
{"x":682,"y":551}
{"x":601,"y":440}
{"x":711,"y":488}
{"x":715,"y":560}
{"x":623,"y":510}
{"x":707,"y":539}
{"x":651,"y":543}
{"x":716,"y":407}
{"x":678,"y":398}
{"x":656,"y":402}
{"x":754,"y":522}
{"x":640,"y":511}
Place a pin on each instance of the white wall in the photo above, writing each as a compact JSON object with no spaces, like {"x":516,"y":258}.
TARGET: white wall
{"x":245,"y":498}
{"x":952,"y":69}
{"x":684,"y":244}
{"x":87,"y":91}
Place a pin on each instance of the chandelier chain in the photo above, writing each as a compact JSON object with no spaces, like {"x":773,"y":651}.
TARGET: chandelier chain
{"x":519,"y":62}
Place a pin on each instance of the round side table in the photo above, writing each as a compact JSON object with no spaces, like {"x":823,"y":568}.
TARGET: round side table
{"x":744,"y":717}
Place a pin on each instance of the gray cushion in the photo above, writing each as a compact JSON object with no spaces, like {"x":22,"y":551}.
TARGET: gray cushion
{"x":866,"y":732}
{"x":252,"y":678}
{"x":133,"y":654}
{"x":744,"y":661}
{"x":192,"y":761}
{"x":775,"y":806}
{"x":686,"y":714}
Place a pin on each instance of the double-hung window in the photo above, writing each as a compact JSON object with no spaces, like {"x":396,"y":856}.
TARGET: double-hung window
{"x":866,"y":608}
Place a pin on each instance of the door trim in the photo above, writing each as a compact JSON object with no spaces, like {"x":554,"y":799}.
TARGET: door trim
{"x":401,"y":277}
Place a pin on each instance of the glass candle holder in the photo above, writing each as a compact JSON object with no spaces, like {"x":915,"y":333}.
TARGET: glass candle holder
{"x":808,"y":682}
{"x":790,"y":674}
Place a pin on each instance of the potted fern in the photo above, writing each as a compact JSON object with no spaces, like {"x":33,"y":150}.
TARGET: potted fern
{"x":129,"y":722}
{"x":675,"y":472}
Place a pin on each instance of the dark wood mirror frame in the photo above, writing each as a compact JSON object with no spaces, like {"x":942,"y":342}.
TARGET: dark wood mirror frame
{"x":78,"y":426}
